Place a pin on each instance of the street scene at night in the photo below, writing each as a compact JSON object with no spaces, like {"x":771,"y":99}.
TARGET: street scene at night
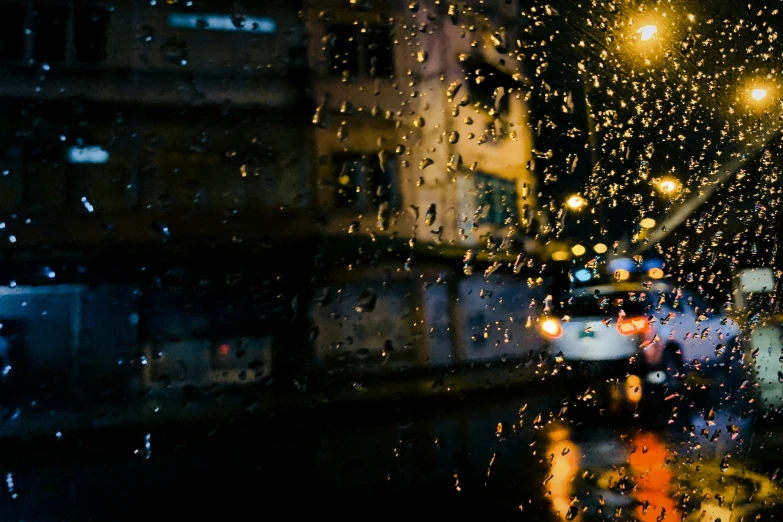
{"x":385,"y":258}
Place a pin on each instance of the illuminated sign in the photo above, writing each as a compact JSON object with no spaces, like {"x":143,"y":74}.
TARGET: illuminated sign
{"x":219,"y":22}
{"x":92,"y":154}
{"x":757,"y":280}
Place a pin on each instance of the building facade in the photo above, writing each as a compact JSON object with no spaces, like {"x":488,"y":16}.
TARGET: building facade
{"x":136,"y":119}
{"x":421,"y":115}
{"x":198,"y":127}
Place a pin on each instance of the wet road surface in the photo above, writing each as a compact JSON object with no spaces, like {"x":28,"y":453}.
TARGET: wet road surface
{"x":702,"y":453}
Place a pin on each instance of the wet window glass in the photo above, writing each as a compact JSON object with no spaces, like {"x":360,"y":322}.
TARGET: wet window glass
{"x":499,"y":259}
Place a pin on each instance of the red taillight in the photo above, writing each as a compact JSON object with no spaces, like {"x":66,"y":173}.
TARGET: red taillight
{"x":632,"y":325}
{"x":224,"y":349}
{"x":551,"y":328}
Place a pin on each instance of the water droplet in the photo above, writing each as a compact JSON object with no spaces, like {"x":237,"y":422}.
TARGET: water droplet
{"x":365,"y":302}
{"x":432,"y":215}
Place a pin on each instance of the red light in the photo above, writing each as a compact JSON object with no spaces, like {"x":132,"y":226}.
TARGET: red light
{"x":632,"y":326}
{"x":551,"y":328}
{"x":223,"y":349}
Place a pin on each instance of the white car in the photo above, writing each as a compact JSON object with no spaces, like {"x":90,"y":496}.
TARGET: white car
{"x":656,"y":328}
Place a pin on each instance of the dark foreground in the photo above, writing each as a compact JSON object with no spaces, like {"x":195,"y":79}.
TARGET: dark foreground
{"x":701,"y":456}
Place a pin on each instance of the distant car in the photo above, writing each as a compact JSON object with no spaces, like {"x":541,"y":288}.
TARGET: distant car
{"x":657,"y":329}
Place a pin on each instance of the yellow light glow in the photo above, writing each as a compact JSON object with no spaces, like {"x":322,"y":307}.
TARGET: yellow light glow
{"x":633,"y":389}
{"x":655,"y":273}
{"x":600,"y":248}
{"x":560,"y":255}
{"x":622,"y":275}
{"x":564,"y":468}
{"x":647,"y":223}
{"x":647,"y":32}
{"x":758,"y":94}
{"x":668,"y":186}
{"x":575,"y":202}
{"x":578,"y":250}
{"x":691,"y":17}
{"x":551,"y":327}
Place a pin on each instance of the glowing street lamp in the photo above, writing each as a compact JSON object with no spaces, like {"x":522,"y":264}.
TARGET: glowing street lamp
{"x":668,"y":186}
{"x":758,"y":94}
{"x":647,"y":32}
{"x":576,"y":202}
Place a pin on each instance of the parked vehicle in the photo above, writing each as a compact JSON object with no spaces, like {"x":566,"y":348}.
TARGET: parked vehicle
{"x":653,"y":328}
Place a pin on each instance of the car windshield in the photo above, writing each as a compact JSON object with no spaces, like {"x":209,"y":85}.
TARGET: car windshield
{"x":589,"y":304}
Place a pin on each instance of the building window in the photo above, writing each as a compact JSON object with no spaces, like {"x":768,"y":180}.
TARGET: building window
{"x":90,"y":26}
{"x":379,"y":51}
{"x":362,"y":182}
{"x":342,"y":50}
{"x":50,"y":23}
{"x":489,"y":87}
{"x":12,"y":32}
{"x":497,"y":198}
{"x":359,"y":50}
{"x":58,"y":33}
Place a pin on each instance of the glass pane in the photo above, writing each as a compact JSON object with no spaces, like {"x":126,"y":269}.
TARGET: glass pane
{"x":50,"y":29}
{"x":359,"y":258}
{"x":12,"y":36}
{"x":90,"y":31}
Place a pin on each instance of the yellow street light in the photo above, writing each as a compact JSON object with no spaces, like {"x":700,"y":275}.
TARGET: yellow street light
{"x":578,"y":250}
{"x":668,"y":186}
{"x":647,"y":32}
{"x":600,"y":248}
{"x":758,"y":94}
{"x":576,"y":202}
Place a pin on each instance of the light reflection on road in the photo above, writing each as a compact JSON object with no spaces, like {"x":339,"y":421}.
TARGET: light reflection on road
{"x":690,"y":474}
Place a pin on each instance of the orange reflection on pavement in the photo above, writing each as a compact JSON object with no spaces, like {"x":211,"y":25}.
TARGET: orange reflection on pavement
{"x":653,"y":480}
{"x":564,"y":466}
